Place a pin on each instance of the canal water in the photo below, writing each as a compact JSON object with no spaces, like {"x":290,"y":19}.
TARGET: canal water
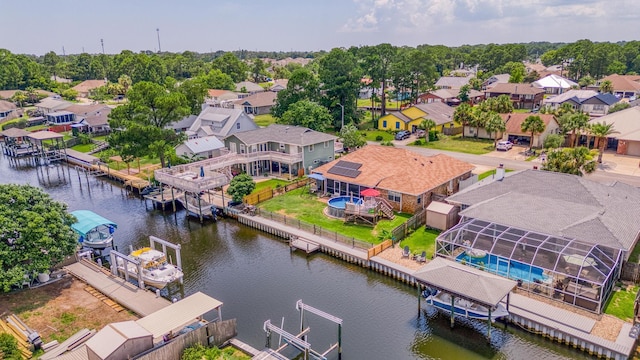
{"x":257,"y":278}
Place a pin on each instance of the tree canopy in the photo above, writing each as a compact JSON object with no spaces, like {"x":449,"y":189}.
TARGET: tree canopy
{"x":308,"y":114}
{"x":35,"y":233}
{"x":576,"y":161}
{"x":241,"y":185}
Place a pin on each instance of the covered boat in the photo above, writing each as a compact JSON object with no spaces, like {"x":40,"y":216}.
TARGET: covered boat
{"x":462,"y":307}
{"x":156,"y":271}
{"x":95,"y":231}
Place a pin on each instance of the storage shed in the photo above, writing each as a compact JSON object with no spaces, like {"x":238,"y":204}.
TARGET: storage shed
{"x":441,"y":216}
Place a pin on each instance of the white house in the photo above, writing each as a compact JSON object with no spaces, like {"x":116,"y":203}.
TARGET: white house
{"x":220,"y":122}
{"x":205,"y":148}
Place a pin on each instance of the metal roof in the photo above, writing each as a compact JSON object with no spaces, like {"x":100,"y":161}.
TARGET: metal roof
{"x":179,"y":314}
{"x":106,"y":341}
{"x":473,"y":284}
{"x":207,"y":143}
{"x":15,"y":133}
{"x":88,"y":220}
{"x":287,"y":134}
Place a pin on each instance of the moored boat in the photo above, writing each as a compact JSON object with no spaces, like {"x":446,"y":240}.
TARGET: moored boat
{"x":156,"y":270}
{"x":462,"y":307}
{"x":94,"y":231}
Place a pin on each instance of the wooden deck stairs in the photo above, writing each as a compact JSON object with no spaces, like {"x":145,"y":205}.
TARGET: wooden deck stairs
{"x":386,"y":208}
{"x":114,"y":305}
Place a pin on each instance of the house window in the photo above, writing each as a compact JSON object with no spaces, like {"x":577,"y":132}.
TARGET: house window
{"x":238,"y":126}
{"x":528,"y":97}
{"x":326,"y":144}
{"x":598,"y":107}
{"x":397,"y":125}
{"x":242,"y":149}
{"x":311,"y":148}
{"x":384,"y":123}
{"x":394,"y":196}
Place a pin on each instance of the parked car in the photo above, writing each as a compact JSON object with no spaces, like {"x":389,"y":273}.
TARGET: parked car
{"x":401,"y":135}
{"x":504,"y":145}
{"x":420,"y":133}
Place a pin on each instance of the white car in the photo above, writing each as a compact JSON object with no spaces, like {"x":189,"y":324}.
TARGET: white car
{"x":504,"y":145}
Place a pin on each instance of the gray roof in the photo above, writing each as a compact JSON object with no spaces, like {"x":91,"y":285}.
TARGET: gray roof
{"x":260,"y":99}
{"x":473,"y":284}
{"x":216,"y":121}
{"x":439,"y":112}
{"x":200,"y":145}
{"x":578,"y":96}
{"x":454,"y":82}
{"x":15,"y":133}
{"x":625,"y":123}
{"x":251,"y":87}
{"x":185,"y":122}
{"x":97,"y":118}
{"x":287,"y":134}
{"x":53,"y":104}
{"x":558,"y":204}
{"x":59,"y":113}
{"x":6,"y":105}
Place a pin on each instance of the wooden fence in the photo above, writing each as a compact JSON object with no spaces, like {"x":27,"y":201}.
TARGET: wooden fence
{"x":404,"y":229}
{"x":630,"y":272}
{"x":379,"y":248}
{"x":450,"y":131}
{"x":268,"y":193}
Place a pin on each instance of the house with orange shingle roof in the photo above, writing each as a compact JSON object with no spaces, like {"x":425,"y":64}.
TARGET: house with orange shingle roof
{"x":85,"y":88}
{"x":514,"y":133}
{"x":624,"y":86}
{"x":408,"y":181}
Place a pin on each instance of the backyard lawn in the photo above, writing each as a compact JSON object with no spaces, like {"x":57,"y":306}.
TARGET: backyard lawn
{"x":84,"y":148}
{"x":305,"y":207}
{"x":422,"y":239}
{"x":272,"y":183}
{"x":621,"y":303}
{"x":459,"y":144}
{"x":264,"y":120}
{"x":371,"y":135}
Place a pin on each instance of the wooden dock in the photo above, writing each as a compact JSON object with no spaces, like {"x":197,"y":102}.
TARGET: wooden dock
{"x":305,"y":245}
{"x":141,"y":302}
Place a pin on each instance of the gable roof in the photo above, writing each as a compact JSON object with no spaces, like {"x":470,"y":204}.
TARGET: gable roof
{"x":249,"y":86}
{"x":53,"y":104}
{"x":89,"y":85}
{"x":7,"y":105}
{"x":626,"y":122}
{"x":398,"y":169}
{"x":286,"y":134}
{"x":553,"y":81}
{"x":577,"y":96}
{"x":454,"y":82}
{"x":214,"y":93}
{"x":260,"y":99}
{"x":622,"y":82}
{"x":203,"y":144}
{"x":439,"y":112}
{"x":8,"y":94}
{"x":557,"y":204}
{"x":110,"y":338}
{"x":516,"y":89}
{"x":99,"y":117}
{"x":398,"y":115}
{"x":453,"y":93}
{"x":85,"y":109}
{"x":216,"y":121}
{"x":183,"y":123}
{"x":15,"y":133}
{"x":513,"y":121}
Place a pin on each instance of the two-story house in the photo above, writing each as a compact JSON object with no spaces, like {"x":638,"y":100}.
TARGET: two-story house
{"x":523,"y":96}
{"x":220,"y":122}
{"x":281,"y":149}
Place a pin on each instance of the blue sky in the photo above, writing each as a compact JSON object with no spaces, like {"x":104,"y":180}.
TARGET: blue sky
{"x":39,"y":26}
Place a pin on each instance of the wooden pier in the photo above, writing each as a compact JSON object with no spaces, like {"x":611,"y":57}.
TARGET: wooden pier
{"x":309,"y":247}
{"x":141,"y":302}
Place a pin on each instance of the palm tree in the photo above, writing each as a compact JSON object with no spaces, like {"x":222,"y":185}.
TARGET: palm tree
{"x":606,"y":87}
{"x":577,"y":122}
{"x":533,"y":124}
{"x":494,"y":124}
{"x":463,"y":115}
{"x":602,"y":131}
{"x":427,"y":125}
{"x":19,"y":97}
{"x":576,"y":161}
{"x":504,"y":105}
{"x":479,"y":120}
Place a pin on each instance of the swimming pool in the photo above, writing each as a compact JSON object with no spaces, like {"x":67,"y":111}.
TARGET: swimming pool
{"x":508,"y":268}
{"x":337,"y":204}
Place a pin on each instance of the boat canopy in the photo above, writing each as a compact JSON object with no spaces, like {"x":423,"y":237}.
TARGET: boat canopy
{"x":88,"y":220}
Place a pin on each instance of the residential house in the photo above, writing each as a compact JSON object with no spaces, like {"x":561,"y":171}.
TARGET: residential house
{"x":220,"y":98}
{"x":561,"y":225}
{"x":626,"y":123}
{"x":201,"y":148}
{"x":279,"y":85}
{"x":587,"y":101}
{"x":8,"y":110}
{"x":624,"y":86}
{"x":96,"y":121}
{"x":452,"y":82}
{"x":523,"y":96}
{"x":282,"y":149}
{"x":61,"y":117}
{"x":8,"y":94}
{"x":555,"y":84}
{"x":496,"y":79}
{"x":514,"y":133}
{"x":258,"y":103}
{"x":183,"y":124}
{"x":220,"y":122}
{"x":411,"y":117}
{"x":450,"y":96}
{"x":51,"y":104}
{"x":86,"y":88}
{"x":248,"y":87}
{"x":408,"y":181}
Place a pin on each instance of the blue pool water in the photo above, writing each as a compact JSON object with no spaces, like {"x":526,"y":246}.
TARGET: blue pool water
{"x":338,"y":202}
{"x":508,"y":268}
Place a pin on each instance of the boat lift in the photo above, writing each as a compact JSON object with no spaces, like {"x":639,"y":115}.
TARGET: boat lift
{"x":299,"y":341}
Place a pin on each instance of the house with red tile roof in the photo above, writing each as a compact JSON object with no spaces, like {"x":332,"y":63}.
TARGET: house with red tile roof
{"x":408,"y":181}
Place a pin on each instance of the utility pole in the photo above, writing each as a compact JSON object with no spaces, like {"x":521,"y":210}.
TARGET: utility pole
{"x":63,"y":53}
{"x":102,"y":43}
{"x":158,"y":31}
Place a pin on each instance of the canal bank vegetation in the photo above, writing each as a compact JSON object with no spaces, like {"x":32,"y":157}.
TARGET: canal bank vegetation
{"x":199,"y":352}
{"x":301,"y":205}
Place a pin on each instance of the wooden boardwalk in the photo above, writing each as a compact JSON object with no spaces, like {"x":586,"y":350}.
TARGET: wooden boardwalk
{"x":304,"y":245}
{"x":141,"y":302}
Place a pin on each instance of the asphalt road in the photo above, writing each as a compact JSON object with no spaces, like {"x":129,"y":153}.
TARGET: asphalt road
{"x":490,"y":161}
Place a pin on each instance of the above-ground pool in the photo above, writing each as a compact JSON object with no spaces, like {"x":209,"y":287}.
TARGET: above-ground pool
{"x":504,"y":267}
{"x":337,"y":204}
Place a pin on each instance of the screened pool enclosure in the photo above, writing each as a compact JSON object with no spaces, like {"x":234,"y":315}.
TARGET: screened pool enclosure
{"x":568,"y":270}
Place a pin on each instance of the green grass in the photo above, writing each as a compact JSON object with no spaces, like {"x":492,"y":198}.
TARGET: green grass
{"x":264,"y":120}
{"x":635,"y":253}
{"x":422,"y":239}
{"x":486,"y":174}
{"x":308,"y":208}
{"x":84,"y":148}
{"x":459,"y":144}
{"x":367,"y":103}
{"x":272,"y":183}
{"x":621,"y":303}
{"x":371,"y":135}
{"x":37,"y":127}
{"x":521,"y":110}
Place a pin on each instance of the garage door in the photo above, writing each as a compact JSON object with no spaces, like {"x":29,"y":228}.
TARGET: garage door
{"x":633,"y":148}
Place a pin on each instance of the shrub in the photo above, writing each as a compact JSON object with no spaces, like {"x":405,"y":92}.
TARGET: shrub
{"x":387,"y":143}
{"x":433,"y":135}
{"x":417,"y":142}
{"x":379,"y":138}
{"x":9,"y":347}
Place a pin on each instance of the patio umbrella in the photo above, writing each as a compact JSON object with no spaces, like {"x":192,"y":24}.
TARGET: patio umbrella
{"x":201,"y":171}
{"x":370,"y":192}
{"x":579,"y":260}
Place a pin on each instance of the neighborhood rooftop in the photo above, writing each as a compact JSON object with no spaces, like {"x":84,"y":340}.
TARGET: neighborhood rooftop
{"x":285,"y":134}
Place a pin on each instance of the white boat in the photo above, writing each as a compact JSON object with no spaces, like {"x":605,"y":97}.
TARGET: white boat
{"x":156,"y":271}
{"x":94,"y":231}
{"x":462,"y":307}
